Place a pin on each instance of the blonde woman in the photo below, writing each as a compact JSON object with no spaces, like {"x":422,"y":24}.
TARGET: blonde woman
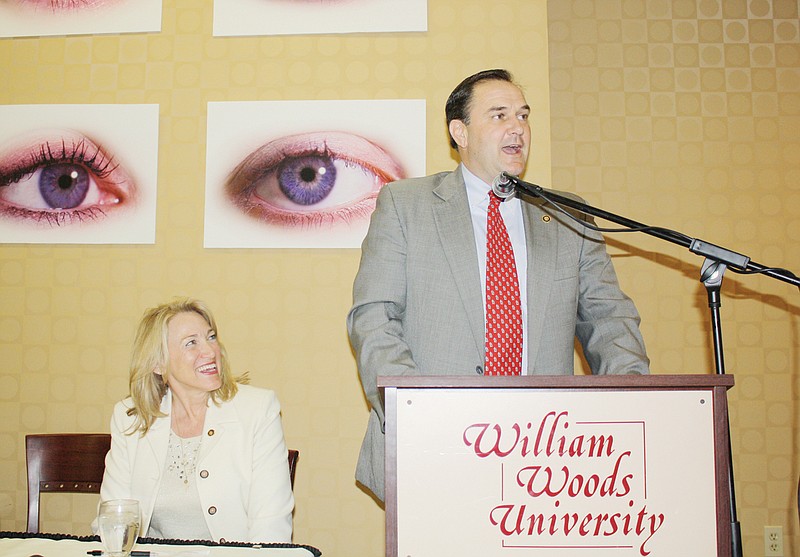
{"x":203,"y":453}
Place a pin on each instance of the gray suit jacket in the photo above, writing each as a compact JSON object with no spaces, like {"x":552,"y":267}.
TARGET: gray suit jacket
{"x":418,"y":309}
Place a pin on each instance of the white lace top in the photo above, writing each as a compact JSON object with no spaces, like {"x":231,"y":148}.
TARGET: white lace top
{"x":177,"y":513}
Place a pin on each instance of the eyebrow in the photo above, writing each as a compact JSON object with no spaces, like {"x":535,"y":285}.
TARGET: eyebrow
{"x":502,"y":108}
{"x":194,"y":335}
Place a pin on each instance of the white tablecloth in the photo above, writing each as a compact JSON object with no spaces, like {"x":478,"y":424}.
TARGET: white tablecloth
{"x":45,"y":547}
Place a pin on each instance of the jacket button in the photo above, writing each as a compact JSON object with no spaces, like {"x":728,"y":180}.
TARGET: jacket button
{"x":211,"y":433}
{"x":204,"y":474}
{"x":479,"y":370}
{"x":212,"y":510}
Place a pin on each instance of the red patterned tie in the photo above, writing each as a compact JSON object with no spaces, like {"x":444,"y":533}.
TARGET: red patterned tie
{"x":503,"y":310}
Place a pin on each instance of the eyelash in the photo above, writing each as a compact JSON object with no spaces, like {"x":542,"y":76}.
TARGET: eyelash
{"x":502,"y":116}
{"x":55,"y":219}
{"x":212,"y":337}
{"x":99,"y":163}
{"x":55,"y":5}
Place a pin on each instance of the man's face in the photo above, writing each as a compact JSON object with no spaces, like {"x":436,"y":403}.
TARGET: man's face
{"x":498,"y":136}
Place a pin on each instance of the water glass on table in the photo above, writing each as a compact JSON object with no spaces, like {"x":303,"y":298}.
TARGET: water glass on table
{"x":118,"y":525}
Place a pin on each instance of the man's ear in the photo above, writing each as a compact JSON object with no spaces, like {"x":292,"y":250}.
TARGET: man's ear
{"x":458,"y":131}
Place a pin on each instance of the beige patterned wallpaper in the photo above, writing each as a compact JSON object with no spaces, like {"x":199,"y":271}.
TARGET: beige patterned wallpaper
{"x":686,"y":114}
{"x":67,"y":313}
{"x":677,"y":113}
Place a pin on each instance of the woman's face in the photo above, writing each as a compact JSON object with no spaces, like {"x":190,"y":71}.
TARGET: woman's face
{"x":194,"y":355}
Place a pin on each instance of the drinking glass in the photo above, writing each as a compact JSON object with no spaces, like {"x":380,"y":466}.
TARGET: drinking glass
{"x":118,"y":524}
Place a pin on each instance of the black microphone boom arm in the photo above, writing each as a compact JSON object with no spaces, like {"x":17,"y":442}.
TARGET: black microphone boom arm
{"x":733,"y":260}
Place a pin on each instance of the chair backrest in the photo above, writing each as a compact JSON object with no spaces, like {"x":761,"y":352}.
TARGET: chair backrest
{"x":74,"y":463}
{"x":64,"y":462}
{"x":293,"y":454}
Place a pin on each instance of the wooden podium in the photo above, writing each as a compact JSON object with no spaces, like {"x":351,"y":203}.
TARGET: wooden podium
{"x":568,"y":466}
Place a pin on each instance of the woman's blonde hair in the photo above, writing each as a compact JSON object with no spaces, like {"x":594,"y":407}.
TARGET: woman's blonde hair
{"x":151,"y":352}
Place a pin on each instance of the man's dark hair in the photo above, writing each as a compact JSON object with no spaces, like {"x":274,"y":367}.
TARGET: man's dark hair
{"x":457,"y":105}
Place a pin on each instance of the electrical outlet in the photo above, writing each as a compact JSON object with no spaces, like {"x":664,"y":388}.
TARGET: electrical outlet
{"x":773,"y":541}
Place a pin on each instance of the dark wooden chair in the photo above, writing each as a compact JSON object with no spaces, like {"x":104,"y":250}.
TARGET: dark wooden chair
{"x":63,"y":462}
{"x":293,"y":454}
{"x":74,"y":463}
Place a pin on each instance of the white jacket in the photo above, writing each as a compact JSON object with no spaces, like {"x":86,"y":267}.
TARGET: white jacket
{"x":242,"y":469}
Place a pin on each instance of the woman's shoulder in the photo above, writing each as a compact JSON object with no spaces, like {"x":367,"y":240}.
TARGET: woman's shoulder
{"x":248,"y":394}
{"x":120,"y":418}
{"x":255,"y":403}
{"x":123,"y":406}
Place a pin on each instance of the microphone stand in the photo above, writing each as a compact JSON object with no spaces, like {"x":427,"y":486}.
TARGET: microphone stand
{"x":717,"y":260}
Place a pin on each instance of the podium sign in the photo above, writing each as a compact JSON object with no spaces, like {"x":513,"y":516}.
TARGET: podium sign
{"x":566,"y":466}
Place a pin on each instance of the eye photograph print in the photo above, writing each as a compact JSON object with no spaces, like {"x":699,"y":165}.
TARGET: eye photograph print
{"x":29,"y":18}
{"x":78,"y":174}
{"x":305,"y":174}
{"x":293,"y":17}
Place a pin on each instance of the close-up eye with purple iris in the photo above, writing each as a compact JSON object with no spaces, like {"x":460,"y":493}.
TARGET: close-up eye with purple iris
{"x":60,"y":180}
{"x":312,"y":179}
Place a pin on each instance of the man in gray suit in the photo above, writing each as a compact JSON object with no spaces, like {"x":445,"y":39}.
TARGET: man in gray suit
{"x":419,"y":296}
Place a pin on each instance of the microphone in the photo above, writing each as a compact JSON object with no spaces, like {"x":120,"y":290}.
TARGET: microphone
{"x":503,"y":186}
{"x":506,"y":185}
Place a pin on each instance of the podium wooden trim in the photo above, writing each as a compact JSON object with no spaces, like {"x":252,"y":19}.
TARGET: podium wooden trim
{"x":717,"y":385}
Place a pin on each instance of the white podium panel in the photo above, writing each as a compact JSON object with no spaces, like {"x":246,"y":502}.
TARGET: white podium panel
{"x":568,"y":473}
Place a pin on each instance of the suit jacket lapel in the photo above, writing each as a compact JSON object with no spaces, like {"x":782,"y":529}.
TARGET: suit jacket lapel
{"x":158,"y":436}
{"x":217,"y":418}
{"x":542,"y":244}
{"x":454,"y":225}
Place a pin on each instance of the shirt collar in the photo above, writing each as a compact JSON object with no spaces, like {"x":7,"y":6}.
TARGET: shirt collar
{"x":477,"y":189}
